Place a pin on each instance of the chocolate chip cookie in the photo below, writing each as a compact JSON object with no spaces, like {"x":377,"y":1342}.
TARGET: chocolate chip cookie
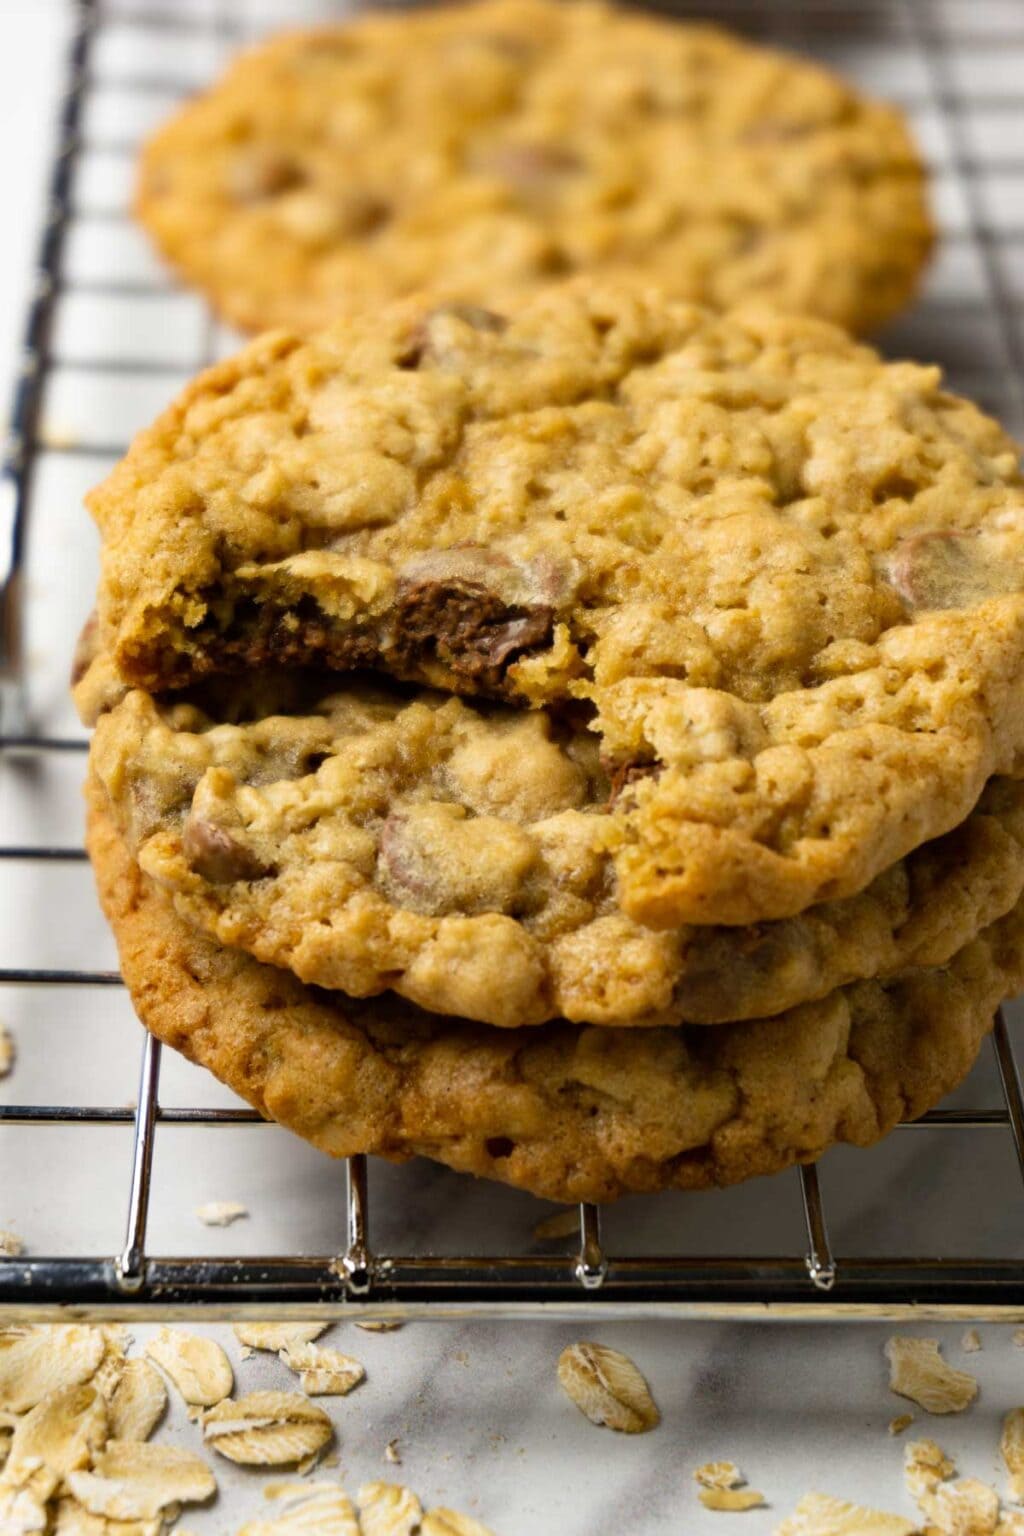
{"x":369,"y":840}
{"x":480,"y":150}
{"x":569,"y":1112}
{"x":784,"y":577}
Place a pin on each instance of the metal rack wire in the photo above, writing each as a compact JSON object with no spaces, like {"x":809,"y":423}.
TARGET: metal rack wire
{"x":134,"y":1281}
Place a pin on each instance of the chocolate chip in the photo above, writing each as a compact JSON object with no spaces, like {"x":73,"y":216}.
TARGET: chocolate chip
{"x":467,"y":627}
{"x":622,"y":775}
{"x":531,"y":165}
{"x":216,"y":856}
{"x":942,"y":569}
{"x":420,"y":342}
{"x":259,"y":173}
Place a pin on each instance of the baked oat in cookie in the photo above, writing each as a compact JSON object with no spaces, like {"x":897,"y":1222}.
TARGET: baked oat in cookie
{"x":368,"y":838}
{"x":784,"y":575}
{"x":479,"y":150}
{"x":569,"y":1112}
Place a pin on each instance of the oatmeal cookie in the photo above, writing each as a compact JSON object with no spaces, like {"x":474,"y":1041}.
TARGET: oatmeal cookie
{"x":784,"y":575}
{"x":368,"y":839}
{"x":479,"y":150}
{"x":568,"y":1112}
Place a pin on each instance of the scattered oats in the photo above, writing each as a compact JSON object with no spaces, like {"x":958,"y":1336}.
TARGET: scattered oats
{"x":387,"y":1509}
{"x":606,"y":1386}
{"x":380,"y":1325}
{"x":971,"y":1342}
{"x":731,"y":1498}
{"x":918,"y":1371}
{"x":1018,"y":1337}
{"x":1012,"y":1446}
{"x":391,"y":1453}
{"x":198,"y":1366}
{"x":73,"y":1520}
{"x":719,"y":1474}
{"x":267,"y":1429}
{"x":323,"y":1372}
{"x":277,"y":1336}
{"x":819,"y":1514}
{"x":20,"y":1512}
{"x":966,"y":1508}
{"x":221,"y":1213}
{"x":560,"y":1224}
{"x":37,"y":1361}
{"x":310,"y":1509}
{"x":448,"y":1522}
{"x":6,"y":1053}
{"x":138,"y":1402}
{"x":54,"y":1439}
{"x":925,"y":1466}
{"x":116,"y":1340}
{"x":901,"y":1422}
{"x":10,"y":1244}
{"x":131,"y":1481}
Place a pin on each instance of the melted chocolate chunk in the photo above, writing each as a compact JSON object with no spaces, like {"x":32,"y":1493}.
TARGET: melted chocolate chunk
{"x":466,"y":627}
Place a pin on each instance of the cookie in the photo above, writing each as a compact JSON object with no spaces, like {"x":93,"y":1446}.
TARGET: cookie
{"x":479,"y":151}
{"x":368,"y":839}
{"x":784,"y":575}
{"x":568,"y":1112}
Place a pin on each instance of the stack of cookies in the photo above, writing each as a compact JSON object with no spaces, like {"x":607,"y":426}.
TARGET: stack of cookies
{"x":546,"y":723}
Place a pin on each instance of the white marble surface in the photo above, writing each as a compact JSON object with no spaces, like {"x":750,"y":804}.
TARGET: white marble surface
{"x":481,"y":1422}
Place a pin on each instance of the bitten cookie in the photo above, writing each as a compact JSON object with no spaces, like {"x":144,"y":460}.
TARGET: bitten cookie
{"x":369,"y":839}
{"x":784,"y":576}
{"x":480,"y":150}
{"x":569,"y":1113}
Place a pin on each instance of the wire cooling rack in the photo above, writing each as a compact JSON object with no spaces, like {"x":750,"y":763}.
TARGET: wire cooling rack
{"x":108,"y":338}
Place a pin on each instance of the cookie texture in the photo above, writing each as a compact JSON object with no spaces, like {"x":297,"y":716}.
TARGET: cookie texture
{"x":479,"y":150}
{"x":784,"y":575}
{"x":368,"y":839}
{"x":569,"y":1112}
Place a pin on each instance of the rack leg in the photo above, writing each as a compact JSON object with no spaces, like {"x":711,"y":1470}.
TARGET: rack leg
{"x":821,"y":1266}
{"x":591,"y":1265}
{"x":356,"y":1263}
{"x":131,"y":1264}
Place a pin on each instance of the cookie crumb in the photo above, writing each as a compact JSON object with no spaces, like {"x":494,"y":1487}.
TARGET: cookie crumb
{"x":925,"y":1465}
{"x":6,"y":1053}
{"x":971,"y":1341}
{"x":719,"y":1474}
{"x":221,"y":1213}
{"x":392,"y":1454}
{"x":918,"y":1371}
{"x":901,"y":1422}
{"x":10,"y":1244}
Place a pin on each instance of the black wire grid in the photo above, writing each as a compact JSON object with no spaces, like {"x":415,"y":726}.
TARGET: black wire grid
{"x":812,"y":1282}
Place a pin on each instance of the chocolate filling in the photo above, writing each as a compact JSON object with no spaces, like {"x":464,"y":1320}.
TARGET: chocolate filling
{"x":467,"y":628}
{"x":462,"y":625}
